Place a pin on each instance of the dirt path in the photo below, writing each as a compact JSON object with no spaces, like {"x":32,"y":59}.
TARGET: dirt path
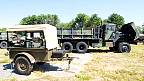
{"x":96,"y":66}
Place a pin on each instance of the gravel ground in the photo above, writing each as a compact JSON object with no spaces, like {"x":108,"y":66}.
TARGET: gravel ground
{"x":54,"y":69}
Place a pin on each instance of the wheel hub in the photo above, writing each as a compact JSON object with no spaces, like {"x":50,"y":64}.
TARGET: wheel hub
{"x":3,"y":45}
{"x":124,"y":48}
{"x":22,"y":65}
{"x":81,"y":47}
{"x":67,"y":47}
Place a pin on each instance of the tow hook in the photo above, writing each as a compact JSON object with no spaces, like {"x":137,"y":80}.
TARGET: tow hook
{"x":69,"y":61}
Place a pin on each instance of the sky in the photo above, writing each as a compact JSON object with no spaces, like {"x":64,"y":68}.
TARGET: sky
{"x":12,"y":11}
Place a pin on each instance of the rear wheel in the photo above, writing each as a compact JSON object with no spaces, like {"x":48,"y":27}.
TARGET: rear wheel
{"x":67,"y":46}
{"x":23,"y":66}
{"x":124,"y":47}
{"x":81,"y":47}
{"x":3,"y":44}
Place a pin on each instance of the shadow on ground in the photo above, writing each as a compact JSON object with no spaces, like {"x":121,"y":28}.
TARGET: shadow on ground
{"x":46,"y":67}
{"x":95,"y":50}
{"x":42,"y":68}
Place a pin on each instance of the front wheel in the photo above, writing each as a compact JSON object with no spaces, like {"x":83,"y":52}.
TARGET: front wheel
{"x":23,"y":66}
{"x":124,"y":47}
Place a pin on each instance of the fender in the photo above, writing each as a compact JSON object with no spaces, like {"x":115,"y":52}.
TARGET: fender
{"x":30,"y":57}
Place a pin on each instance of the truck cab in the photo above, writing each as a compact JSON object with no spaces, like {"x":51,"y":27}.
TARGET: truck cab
{"x":120,"y":39}
{"x":109,"y":31}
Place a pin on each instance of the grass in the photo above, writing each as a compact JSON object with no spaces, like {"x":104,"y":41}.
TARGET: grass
{"x":82,"y":77}
{"x":109,"y":67}
{"x":9,"y":79}
{"x":3,"y":58}
{"x":117,"y":66}
{"x":112,"y":67}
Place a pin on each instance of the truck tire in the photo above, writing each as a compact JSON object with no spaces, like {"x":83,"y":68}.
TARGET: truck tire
{"x":81,"y":47}
{"x":3,"y":44}
{"x":124,"y":47}
{"x":67,"y":47}
{"x":23,"y":66}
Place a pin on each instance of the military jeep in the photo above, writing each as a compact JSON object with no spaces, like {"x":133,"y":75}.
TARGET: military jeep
{"x":38,"y":45}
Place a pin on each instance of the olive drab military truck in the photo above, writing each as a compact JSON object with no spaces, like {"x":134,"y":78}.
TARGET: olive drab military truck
{"x":105,"y":35}
{"x":39,"y":45}
{"x":3,"y":40}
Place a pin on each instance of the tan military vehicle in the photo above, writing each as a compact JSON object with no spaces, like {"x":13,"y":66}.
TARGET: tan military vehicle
{"x":38,"y":45}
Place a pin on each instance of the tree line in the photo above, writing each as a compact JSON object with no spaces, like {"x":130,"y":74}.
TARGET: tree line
{"x":2,"y":29}
{"x":80,"y":21}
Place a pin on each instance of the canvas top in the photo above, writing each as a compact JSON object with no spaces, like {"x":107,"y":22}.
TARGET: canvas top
{"x":30,"y":27}
{"x":50,"y":33}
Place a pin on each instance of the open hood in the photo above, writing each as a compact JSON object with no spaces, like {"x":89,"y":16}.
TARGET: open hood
{"x":130,"y":31}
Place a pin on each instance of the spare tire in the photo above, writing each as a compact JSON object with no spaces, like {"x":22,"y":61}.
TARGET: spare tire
{"x":3,"y":44}
{"x":81,"y":47}
{"x":67,"y":47}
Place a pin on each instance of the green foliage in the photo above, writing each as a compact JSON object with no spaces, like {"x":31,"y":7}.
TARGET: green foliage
{"x":30,"y":20}
{"x":66,"y":25}
{"x":41,"y":19}
{"x":82,"y":77}
{"x":141,"y":29}
{"x":116,"y":19}
{"x":105,"y":21}
{"x":94,"y":21}
{"x":3,"y":30}
{"x":81,"y":21}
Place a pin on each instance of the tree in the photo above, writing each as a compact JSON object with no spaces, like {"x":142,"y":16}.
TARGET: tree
{"x":2,"y":29}
{"x":94,"y":21}
{"x":80,"y":21}
{"x":30,"y":20}
{"x":41,"y":19}
{"x":105,"y":21}
{"x":68,"y":25}
{"x":116,"y":19}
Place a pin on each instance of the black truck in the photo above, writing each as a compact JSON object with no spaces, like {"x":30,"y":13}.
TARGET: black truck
{"x":106,"y":35}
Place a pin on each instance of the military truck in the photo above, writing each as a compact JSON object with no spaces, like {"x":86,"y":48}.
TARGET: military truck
{"x":3,"y":40}
{"x":39,"y":46}
{"x":105,"y":35}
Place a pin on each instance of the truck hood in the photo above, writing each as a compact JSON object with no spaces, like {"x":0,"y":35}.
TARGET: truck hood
{"x":131,"y":31}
